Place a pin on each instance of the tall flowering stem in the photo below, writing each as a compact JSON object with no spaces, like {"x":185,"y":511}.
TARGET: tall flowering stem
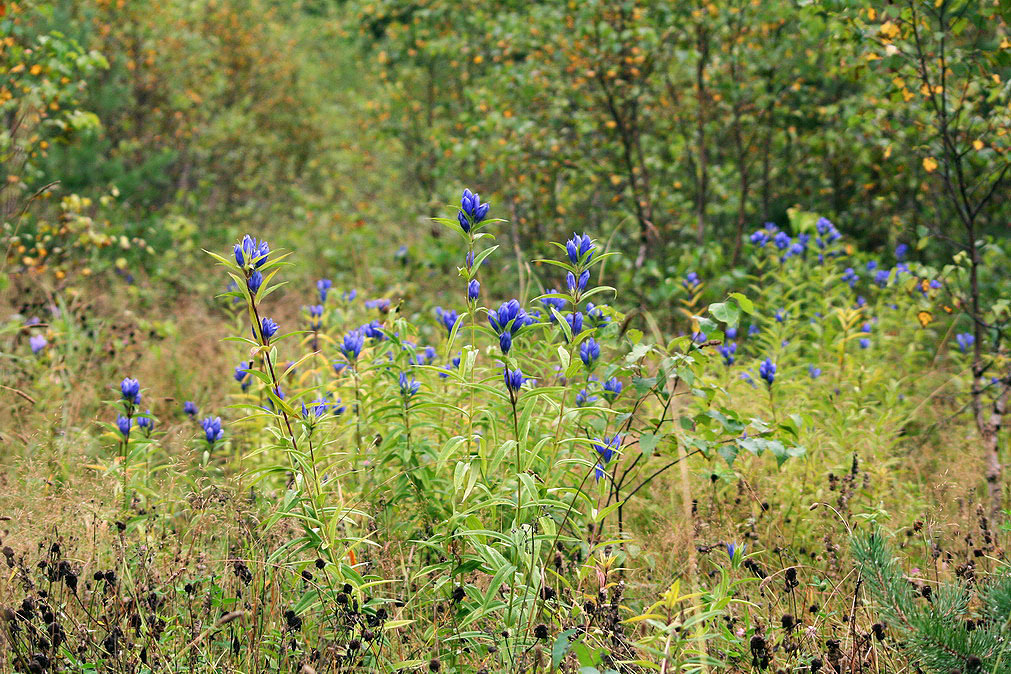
{"x":251,"y":262}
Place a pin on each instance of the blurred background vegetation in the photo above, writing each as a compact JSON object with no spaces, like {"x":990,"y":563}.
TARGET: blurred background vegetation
{"x":669,"y":128}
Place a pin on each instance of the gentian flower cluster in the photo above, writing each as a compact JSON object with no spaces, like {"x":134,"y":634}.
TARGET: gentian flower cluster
{"x":249,"y":253}
{"x":448,"y":318}
{"x":767,"y":371}
{"x":190,"y":407}
{"x":408,"y":386}
{"x":124,"y":424}
{"x":268,"y":328}
{"x":964,"y":340}
{"x":323,"y":286}
{"x":506,"y":322}
{"x":606,"y":449}
{"x":212,"y":429}
{"x":589,"y":352}
{"x":513,"y":379}
{"x":556,"y":303}
{"x":37,"y":343}
{"x":612,"y":389}
{"x":472,"y":211}
{"x":727,"y":351}
{"x":352,"y":344}
{"x":241,"y":375}
{"x":130,"y":388}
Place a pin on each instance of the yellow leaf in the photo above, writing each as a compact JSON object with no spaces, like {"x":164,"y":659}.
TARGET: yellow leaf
{"x":889,"y":29}
{"x":977,"y":144}
{"x":929,"y":164}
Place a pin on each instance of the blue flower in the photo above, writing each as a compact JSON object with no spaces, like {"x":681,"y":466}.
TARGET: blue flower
{"x":505,"y":342}
{"x":612,"y":389}
{"x":767,"y":371}
{"x":589,"y":352}
{"x":249,"y":252}
{"x":130,"y":388}
{"x":753,"y":329}
{"x":782,"y":240}
{"x":241,"y":375}
{"x":212,"y":429}
{"x":408,"y":385}
{"x":727,"y":351}
{"x":815,"y":372}
{"x":827,"y":229}
{"x":881,"y":278}
{"x":699,"y":337}
{"x":584,"y":398}
{"x":510,"y":317}
{"x":596,"y":315}
{"x":731,"y":333}
{"x":872,"y":265}
{"x":146,"y":422}
{"x":337,"y":408}
{"x":448,"y":317}
{"x":315,"y":410}
{"x":865,"y":343}
{"x":473,"y":290}
{"x":339,"y":367}
{"x":936,"y":285}
{"x":556,"y":303}
{"x":861,"y":301}
{"x":850,"y":277}
{"x":381,"y":304}
{"x":964,"y":341}
{"x":37,"y":343}
{"x":350,"y":295}
{"x":607,"y":447}
{"x":780,"y":315}
{"x":866,"y":327}
{"x":513,"y":379}
{"x":579,"y":249}
{"x":268,"y":328}
{"x":190,"y":408}
{"x":691,"y":281}
{"x":352,"y":344}
{"x":575,"y":321}
{"x":900,"y":251}
{"x":323,"y":286}
{"x":254,"y":282}
{"x":124,"y":424}
{"x":472,"y":211}
{"x":732,"y":550}
{"x":373,"y":330}
{"x":579,"y":285}
{"x":759,"y":238}
{"x":598,"y":472}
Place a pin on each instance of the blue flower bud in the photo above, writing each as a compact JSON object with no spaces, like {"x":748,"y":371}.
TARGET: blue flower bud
{"x":323,"y":286}
{"x":124,"y":424}
{"x":37,"y":343}
{"x":254,"y":282}
{"x":212,"y":429}
{"x":130,"y":389}
{"x":408,"y":386}
{"x":513,"y":379}
{"x":612,"y":389}
{"x":607,"y":447}
{"x":352,"y":344}
{"x":767,"y":371}
{"x":268,"y":328}
{"x":146,"y":422}
{"x":190,"y":408}
{"x":473,"y":290}
{"x":505,"y":342}
{"x":589,"y":352}
{"x":579,"y":249}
